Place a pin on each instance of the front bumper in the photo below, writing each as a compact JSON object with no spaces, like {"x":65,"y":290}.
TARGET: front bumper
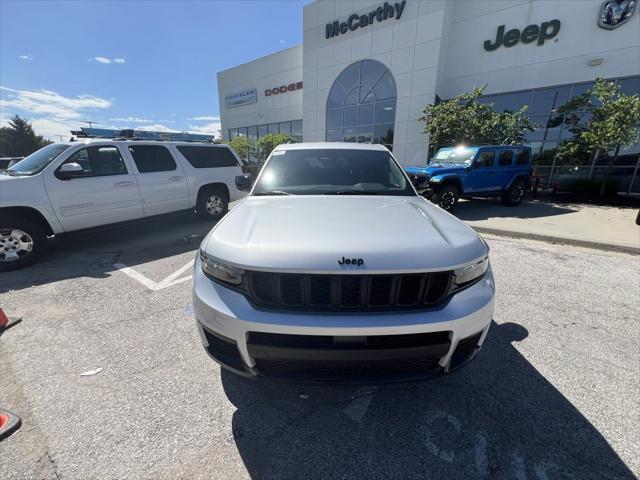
{"x":352,"y":348}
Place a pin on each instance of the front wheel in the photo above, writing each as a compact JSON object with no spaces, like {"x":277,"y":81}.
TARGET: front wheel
{"x":212,"y":204}
{"x":21,"y":243}
{"x":514,"y":194}
{"x":447,"y":197}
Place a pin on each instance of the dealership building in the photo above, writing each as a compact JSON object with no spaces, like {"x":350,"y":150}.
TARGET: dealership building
{"x":367,"y":68}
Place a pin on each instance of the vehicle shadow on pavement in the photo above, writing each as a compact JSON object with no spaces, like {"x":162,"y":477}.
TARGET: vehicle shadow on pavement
{"x":93,"y":253}
{"x":485,"y":208}
{"x":496,"y":418}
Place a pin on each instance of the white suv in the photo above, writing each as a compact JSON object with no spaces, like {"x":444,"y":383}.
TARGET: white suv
{"x":66,"y":187}
{"x":335,"y":269}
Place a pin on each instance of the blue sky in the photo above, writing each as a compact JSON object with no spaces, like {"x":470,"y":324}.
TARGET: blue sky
{"x":125,"y":64}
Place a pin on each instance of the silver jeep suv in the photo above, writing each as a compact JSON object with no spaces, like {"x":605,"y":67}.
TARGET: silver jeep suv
{"x":334,"y":269}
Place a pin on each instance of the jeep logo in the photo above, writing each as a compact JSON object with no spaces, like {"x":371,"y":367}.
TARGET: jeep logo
{"x":351,"y":261}
{"x":544,"y":32}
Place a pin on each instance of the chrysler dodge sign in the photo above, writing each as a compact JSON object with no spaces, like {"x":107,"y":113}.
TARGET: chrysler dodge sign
{"x":242,"y":97}
{"x":356,"y":21}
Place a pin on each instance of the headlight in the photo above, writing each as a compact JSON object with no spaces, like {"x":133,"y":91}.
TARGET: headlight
{"x":220,"y":271}
{"x":466,"y":275}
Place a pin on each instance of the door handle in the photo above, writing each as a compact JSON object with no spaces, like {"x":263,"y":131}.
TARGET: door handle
{"x":175,"y":179}
{"x":123,"y":184}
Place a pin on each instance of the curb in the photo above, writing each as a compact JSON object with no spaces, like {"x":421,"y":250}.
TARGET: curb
{"x":608,"y":247}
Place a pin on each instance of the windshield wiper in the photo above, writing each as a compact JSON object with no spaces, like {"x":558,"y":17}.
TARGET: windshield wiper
{"x":274,"y":192}
{"x":350,"y":192}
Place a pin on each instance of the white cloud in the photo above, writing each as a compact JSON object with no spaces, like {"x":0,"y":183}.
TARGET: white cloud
{"x":131,"y":119}
{"x":206,"y":129}
{"x":156,"y":128}
{"x":283,"y":42}
{"x":51,"y":103}
{"x":27,"y":56}
{"x":50,"y":113}
{"x":205,"y":118}
{"x":107,"y":60}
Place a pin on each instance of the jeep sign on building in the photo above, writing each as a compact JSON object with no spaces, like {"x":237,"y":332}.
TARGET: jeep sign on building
{"x":369,"y":68}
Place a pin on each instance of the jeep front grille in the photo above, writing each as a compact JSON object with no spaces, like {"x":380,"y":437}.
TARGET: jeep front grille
{"x":347,"y":292}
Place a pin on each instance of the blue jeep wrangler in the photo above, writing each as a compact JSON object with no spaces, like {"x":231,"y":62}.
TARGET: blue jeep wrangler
{"x":482,"y":171}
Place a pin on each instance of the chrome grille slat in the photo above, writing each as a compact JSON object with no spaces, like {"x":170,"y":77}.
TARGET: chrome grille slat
{"x":348,"y":293}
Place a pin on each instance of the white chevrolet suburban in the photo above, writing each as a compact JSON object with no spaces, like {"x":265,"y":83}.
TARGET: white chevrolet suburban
{"x":334,"y":269}
{"x":67,"y":187}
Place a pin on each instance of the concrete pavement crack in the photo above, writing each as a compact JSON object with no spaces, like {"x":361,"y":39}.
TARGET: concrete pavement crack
{"x":53,"y":464}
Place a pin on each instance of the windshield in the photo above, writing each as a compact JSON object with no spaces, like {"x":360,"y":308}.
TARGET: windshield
{"x":455,"y":155}
{"x":332,"y":172}
{"x":37,"y":161}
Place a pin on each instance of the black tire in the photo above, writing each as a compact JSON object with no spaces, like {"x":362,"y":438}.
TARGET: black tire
{"x":514,"y":194}
{"x":13,"y":253}
{"x":213,"y":204}
{"x":447,"y":197}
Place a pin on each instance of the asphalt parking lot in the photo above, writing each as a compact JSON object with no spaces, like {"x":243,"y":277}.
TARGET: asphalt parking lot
{"x":553,"y":394}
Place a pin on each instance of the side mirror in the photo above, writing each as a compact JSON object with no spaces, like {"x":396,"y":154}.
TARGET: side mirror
{"x":69,"y":170}
{"x":244,"y":182}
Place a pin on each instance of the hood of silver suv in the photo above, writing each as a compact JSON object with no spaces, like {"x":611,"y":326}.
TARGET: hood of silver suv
{"x":318,"y":233}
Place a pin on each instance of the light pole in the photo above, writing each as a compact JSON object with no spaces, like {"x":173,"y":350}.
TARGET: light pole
{"x":544,"y":138}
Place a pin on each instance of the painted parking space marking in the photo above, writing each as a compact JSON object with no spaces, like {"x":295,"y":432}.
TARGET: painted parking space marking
{"x":167,"y":282}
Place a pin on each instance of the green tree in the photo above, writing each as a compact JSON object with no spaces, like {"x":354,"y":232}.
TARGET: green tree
{"x":242,"y":146}
{"x":19,"y":139}
{"x":267,"y":143}
{"x":610,"y":120}
{"x":465,"y":120}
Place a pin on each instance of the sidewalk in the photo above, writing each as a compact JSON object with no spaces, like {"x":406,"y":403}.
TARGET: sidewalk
{"x":603,"y":227}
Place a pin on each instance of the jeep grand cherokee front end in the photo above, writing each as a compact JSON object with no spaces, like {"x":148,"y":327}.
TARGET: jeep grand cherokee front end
{"x":333,"y":269}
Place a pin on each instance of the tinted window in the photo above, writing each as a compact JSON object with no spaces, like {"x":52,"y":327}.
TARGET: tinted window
{"x":98,"y":161}
{"x":285,"y":127}
{"x":505,"y":158}
{"x":296,"y":129}
{"x":548,"y":99}
{"x":152,"y":158}
{"x":513,"y":101}
{"x":522,"y":157}
{"x":332,"y":172}
{"x":485,"y":160}
{"x":253,"y":133}
{"x":630,"y":86}
{"x":208,"y":157}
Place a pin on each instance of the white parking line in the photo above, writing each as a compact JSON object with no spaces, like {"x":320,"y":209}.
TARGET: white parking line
{"x":169,"y":281}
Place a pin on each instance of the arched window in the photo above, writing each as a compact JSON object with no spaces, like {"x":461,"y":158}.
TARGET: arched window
{"x":361,"y":106}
